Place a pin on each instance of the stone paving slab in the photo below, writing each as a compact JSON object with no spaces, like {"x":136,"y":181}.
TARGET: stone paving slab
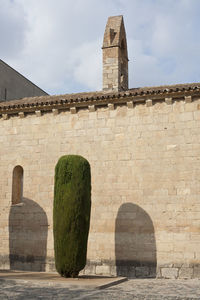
{"x":84,"y":282}
{"x":134,"y":289}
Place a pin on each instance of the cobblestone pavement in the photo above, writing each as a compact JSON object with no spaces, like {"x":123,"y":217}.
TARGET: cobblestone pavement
{"x":137,"y":289}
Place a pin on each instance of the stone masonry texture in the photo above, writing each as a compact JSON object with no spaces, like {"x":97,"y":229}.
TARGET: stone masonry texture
{"x":145,"y":167}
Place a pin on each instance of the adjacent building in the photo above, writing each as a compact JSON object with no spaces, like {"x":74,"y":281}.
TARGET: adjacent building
{"x":14,"y":85}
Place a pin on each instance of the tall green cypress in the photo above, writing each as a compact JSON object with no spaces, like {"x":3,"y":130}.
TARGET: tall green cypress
{"x":71,"y":214}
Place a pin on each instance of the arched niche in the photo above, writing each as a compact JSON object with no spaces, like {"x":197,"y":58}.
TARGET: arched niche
{"x":17,"y":185}
{"x":135,"y":243}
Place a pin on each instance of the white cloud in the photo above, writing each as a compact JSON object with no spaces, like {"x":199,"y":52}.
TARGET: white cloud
{"x":57,"y":44}
{"x":85,"y":58}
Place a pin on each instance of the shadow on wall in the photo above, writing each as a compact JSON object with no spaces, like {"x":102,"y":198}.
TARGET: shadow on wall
{"x":27,"y":236}
{"x":135,"y":245}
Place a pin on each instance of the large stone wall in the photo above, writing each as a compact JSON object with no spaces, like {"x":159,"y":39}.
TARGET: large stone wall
{"x":145,"y":166}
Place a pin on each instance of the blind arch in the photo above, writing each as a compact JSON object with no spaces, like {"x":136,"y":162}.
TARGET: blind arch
{"x":17,"y":185}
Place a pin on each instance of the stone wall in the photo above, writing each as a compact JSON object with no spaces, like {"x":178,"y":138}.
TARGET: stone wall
{"x":145,"y":166}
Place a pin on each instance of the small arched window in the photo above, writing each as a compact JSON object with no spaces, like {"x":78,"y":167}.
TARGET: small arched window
{"x":17,"y":185}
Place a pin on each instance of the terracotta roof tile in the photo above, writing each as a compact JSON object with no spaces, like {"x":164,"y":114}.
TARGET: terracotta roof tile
{"x":95,"y":96}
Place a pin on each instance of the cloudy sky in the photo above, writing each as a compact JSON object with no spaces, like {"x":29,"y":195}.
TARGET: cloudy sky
{"x":57,"y":43}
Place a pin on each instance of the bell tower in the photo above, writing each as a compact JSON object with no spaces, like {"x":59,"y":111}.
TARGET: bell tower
{"x":115,"y":56}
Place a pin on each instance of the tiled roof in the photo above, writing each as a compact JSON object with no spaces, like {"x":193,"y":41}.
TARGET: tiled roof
{"x":93,"y":97}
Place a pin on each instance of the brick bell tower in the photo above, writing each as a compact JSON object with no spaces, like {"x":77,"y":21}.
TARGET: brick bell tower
{"x":115,"y":56}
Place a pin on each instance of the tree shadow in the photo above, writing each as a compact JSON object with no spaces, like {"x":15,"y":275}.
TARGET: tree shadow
{"x":28,"y":227}
{"x":135,"y":245}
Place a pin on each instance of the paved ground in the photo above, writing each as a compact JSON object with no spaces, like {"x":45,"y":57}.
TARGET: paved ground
{"x":54,"y":279}
{"x":136,"y":289}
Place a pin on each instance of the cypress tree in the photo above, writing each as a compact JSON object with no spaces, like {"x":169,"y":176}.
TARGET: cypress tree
{"x":71,"y":214}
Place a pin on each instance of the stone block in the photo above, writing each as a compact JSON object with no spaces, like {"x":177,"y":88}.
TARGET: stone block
{"x":196,"y":273}
{"x":111,"y":106}
{"x":188,"y":99}
{"x":113,"y":271}
{"x":73,"y":110}
{"x":55,"y":111}
{"x":90,"y":270}
{"x":149,"y":102}
{"x":52,"y":267}
{"x":5,"y":116}
{"x":130,"y":104}
{"x":197,"y":115}
{"x":38,"y":113}
{"x":158,"y":272}
{"x":186,"y":116}
{"x":170,"y":273}
{"x":186,"y":273}
{"x":91,"y":108}
{"x":21,"y":114}
{"x":103,"y":270}
{"x":131,"y":272}
{"x":152,"y":272}
{"x":122,"y":271}
{"x":141,"y":272}
{"x":168,"y":100}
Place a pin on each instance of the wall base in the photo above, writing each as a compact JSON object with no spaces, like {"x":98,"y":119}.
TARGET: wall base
{"x":107,"y":268}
